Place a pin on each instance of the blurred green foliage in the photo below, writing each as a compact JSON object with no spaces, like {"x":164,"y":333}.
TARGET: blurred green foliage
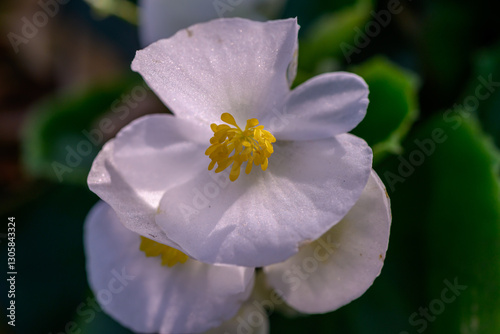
{"x":50,"y":262}
{"x":386,"y":124}
{"x":57,"y":142}
{"x":323,"y":41}
{"x":446,"y":227}
{"x":462,"y":222}
{"x":487,"y":68}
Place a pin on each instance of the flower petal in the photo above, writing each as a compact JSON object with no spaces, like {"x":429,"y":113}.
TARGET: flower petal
{"x":162,"y":18}
{"x":145,"y":296}
{"x":325,"y":106}
{"x":226,"y":65}
{"x":343,"y":263}
{"x":264,"y":217}
{"x":147,"y":157}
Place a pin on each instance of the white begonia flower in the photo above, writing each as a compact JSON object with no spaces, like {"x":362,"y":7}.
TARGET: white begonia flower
{"x":143,"y":294}
{"x":160,"y":19}
{"x":235,"y":71}
{"x":191,"y":296}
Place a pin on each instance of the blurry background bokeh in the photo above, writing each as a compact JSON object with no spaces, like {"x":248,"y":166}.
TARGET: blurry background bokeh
{"x":433,"y":68}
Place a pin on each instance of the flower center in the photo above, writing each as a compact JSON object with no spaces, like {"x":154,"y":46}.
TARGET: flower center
{"x":169,"y":255}
{"x":252,"y":145}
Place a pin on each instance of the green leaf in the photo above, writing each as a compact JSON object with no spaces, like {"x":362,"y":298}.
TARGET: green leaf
{"x":445,"y":199}
{"x":483,"y":91}
{"x":325,"y":41}
{"x":63,"y":134}
{"x":445,"y":193}
{"x":124,"y":9}
{"x":393,"y":106}
{"x":463,"y":226}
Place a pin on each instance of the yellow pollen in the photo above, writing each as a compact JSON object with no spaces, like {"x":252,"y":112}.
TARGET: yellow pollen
{"x":252,"y":145}
{"x":169,"y":255}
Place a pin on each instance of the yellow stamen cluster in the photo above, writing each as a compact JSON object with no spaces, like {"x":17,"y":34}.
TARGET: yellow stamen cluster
{"x":253,"y":145}
{"x":169,"y":255}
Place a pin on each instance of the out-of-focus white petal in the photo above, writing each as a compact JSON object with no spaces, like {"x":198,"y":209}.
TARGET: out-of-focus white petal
{"x":250,"y":319}
{"x":147,"y":297}
{"x":263,"y":217}
{"x":265,"y":296}
{"x":341,"y":265}
{"x":325,"y":106}
{"x":162,"y":18}
{"x":149,"y":156}
{"x":228,"y":65}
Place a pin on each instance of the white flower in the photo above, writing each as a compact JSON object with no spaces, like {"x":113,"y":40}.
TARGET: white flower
{"x":154,"y":173}
{"x":148,"y":297}
{"x":162,"y":18}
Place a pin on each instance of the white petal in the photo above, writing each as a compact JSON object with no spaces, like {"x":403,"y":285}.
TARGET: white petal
{"x":226,"y":65}
{"x":162,"y":18}
{"x":158,"y":151}
{"x":149,"y":156}
{"x":147,"y":297}
{"x":325,"y":106}
{"x":262,"y":218}
{"x":344,"y":262}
